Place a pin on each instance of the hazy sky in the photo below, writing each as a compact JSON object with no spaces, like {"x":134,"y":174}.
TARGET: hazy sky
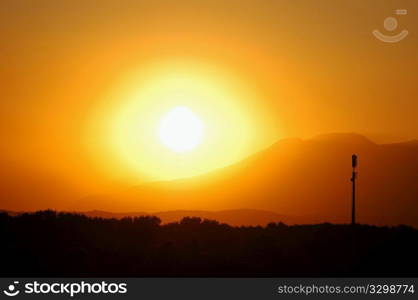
{"x":315,"y":65}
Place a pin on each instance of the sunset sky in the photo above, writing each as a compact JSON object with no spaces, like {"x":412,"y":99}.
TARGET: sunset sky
{"x":85,"y":85}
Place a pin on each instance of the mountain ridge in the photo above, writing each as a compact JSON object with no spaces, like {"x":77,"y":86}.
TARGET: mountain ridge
{"x":292,"y":177}
{"x":295,"y":177}
{"x":233,"y":217}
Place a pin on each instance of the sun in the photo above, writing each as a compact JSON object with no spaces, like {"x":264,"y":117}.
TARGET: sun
{"x":175,"y":119}
{"x":181,"y":130}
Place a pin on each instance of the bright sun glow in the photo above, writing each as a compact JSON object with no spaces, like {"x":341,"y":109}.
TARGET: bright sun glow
{"x":175,"y":119}
{"x":181,"y":130}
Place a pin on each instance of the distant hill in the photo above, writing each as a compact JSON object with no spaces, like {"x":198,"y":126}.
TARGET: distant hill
{"x":233,"y":217}
{"x":295,"y":177}
{"x":10,"y":213}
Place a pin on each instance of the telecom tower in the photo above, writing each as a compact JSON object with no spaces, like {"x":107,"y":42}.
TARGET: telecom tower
{"x":353,"y":180}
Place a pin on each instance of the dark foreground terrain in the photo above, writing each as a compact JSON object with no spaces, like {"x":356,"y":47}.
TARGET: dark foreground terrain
{"x":60,"y":244}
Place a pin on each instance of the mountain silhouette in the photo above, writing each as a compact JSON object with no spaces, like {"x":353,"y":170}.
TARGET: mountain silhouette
{"x":295,"y":177}
{"x":233,"y":217}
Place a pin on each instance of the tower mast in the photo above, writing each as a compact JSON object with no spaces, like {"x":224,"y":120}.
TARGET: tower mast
{"x":353,"y":180}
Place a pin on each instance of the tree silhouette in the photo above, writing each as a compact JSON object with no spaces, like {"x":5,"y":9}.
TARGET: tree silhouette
{"x":48,"y":243}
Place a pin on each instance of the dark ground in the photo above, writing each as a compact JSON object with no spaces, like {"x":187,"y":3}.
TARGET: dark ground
{"x":60,"y":244}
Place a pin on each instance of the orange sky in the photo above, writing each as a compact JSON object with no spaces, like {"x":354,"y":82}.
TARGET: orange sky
{"x":314,"y":67}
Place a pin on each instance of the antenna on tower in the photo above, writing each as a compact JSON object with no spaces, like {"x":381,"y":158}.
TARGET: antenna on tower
{"x":353,"y":180}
